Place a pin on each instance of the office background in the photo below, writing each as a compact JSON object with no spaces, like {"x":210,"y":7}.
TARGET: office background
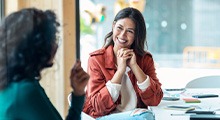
{"x":183,"y":36}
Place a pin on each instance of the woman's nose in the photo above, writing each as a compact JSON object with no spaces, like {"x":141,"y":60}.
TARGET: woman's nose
{"x":123,"y":33}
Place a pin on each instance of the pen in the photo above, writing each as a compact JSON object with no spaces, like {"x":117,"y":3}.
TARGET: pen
{"x":205,"y":96}
{"x":196,"y":113}
{"x":200,"y":112}
{"x":182,"y":114}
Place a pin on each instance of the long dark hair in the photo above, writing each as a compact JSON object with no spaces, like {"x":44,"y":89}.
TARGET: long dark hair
{"x":27,"y":40}
{"x":140,"y":29}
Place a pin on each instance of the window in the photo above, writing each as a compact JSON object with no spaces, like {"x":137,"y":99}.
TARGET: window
{"x":183,"y":37}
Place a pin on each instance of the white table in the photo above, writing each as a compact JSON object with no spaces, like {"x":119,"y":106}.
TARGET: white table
{"x":84,"y":116}
{"x":206,"y":103}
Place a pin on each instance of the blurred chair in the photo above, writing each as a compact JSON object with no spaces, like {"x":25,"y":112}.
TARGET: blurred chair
{"x":205,"y":82}
{"x":69,"y":98}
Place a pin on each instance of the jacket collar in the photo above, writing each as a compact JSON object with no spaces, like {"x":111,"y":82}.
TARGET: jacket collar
{"x":109,"y":58}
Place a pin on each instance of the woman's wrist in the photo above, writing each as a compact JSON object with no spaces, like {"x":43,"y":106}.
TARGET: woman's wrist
{"x":117,"y":77}
{"x":78,"y":93}
{"x":133,"y":66}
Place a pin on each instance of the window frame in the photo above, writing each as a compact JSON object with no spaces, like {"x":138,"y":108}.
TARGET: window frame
{"x":2,"y":9}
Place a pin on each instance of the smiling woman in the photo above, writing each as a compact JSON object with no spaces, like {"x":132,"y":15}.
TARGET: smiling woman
{"x":122,"y":73}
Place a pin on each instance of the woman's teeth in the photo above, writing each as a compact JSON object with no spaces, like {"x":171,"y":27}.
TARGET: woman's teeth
{"x":121,"y":40}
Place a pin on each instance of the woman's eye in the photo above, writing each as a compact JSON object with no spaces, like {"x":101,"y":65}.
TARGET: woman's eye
{"x":130,"y":31}
{"x":120,"y":28}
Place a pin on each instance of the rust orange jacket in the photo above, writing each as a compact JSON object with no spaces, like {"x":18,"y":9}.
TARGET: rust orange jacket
{"x":101,"y":68}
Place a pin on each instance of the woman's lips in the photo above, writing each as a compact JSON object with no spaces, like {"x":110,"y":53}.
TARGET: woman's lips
{"x":121,"y":41}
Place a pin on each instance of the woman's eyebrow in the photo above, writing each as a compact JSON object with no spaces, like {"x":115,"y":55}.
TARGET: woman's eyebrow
{"x":131,"y":29}
{"x":127,"y":28}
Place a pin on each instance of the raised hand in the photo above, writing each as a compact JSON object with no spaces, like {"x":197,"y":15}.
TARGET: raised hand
{"x":78,"y":79}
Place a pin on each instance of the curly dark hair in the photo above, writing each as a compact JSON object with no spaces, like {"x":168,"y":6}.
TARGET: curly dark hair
{"x":27,"y":40}
{"x":140,"y":29}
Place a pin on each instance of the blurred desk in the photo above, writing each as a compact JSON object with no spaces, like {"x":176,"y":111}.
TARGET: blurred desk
{"x":206,"y":104}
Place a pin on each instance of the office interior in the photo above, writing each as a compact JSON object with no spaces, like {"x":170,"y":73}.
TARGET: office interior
{"x":182,"y":35}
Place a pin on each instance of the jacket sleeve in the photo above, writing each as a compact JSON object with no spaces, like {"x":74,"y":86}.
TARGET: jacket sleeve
{"x":99,"y":101}
{"x":153,"y":94}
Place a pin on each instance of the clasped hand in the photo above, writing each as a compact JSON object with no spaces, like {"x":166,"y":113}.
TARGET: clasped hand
{"x":125,"y":57}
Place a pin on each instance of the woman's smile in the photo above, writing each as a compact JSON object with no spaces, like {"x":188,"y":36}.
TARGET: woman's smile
{"x":121,"y":41}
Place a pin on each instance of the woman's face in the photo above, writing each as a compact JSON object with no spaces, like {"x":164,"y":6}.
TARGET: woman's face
{"x":123,"y":33}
